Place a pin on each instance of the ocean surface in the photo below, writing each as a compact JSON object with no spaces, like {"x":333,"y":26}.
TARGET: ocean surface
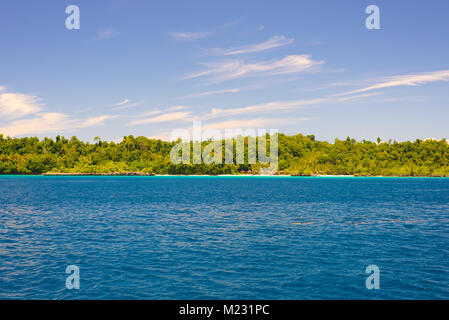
{"x":224,"y":237}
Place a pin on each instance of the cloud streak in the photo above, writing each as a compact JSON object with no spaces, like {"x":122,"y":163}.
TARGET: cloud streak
{"x":165,"y":117}
{"x":274,"y":42}
{"x":232,"y":69}
{"x":406,"y":80}
{"x":121,"y":103}
{"x":276,"y":106}
{"x":126,"y":104}
{"x":209,"y":93}
{"x":95,"y":121}
{"x":189,"y":36}
{"x":262,"y":108}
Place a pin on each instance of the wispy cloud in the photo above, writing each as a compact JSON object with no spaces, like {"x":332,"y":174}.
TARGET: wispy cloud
{"x":49,"y":122}
{"x":254,"y":123}
{"x":354,"y":97}
{"x":95,"y":121}
{"x":159,"y":111}
{"x":106,"y":33}
{"x":262,"y":108}
{"x":163,"y":117}
{"x":209,"y":93}
{"x":232,"y":69}
{"x":16,"y":105}
{"x":189,"y":36}
{"x":405,"y":80}
{"x":274,"y":42}
{"x":125,"y":101}
{"x":126,"y":104}
{"x":277,"y":106}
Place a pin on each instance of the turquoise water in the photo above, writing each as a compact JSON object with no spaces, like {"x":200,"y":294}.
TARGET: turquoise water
{"x":224,"y":237}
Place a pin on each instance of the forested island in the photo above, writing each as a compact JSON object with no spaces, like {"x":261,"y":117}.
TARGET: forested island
{"x":298,"y":155}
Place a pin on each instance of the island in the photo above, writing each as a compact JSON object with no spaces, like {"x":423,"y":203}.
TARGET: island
{"x":299,"y":155}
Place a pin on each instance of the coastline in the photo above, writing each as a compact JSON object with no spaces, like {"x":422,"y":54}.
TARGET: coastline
{"x":140,"y":174}
{"x":97,"y":174}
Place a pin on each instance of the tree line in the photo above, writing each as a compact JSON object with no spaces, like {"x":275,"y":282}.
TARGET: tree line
{"x":298,"y":155}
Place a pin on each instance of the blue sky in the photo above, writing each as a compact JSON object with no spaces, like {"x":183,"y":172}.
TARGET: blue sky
{"x":147,"y":68}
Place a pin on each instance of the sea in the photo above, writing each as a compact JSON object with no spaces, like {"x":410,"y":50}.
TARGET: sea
{"x":223,"y":237}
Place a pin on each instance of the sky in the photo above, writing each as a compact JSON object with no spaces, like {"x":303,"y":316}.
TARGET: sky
{"x":146,"y":68}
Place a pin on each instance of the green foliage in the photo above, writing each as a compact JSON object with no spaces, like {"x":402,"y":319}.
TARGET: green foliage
{"x":298,"y":154}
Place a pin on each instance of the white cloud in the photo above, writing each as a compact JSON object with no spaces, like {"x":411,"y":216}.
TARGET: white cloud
{"x":151,"y":113}
{"x":126,"y":104}
{"x":175,"y":108}
{"x":159,"y":111}
{"x":276,"y":106}
{"x":166,"y":117}
{"x":406,"y":80}
{"x":16,"y":105}
{"x":263,"y":107}
{"x":49,"y":122}
{"x":125,"y":101}
{"x":46,"y":122}
{"x":257,"y":123}
{"x":106,"y":33}
{"x":274,"y":42}
{"x":237,"y":68}
{"x":357,"y":96}
{"x":189,"y":36}
{"x":238,"y":125}
{"x":209,"y":93}
{"x":96,"y":121}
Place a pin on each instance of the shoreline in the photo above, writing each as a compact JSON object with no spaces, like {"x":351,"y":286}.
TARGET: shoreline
{"x":140,"y":174}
